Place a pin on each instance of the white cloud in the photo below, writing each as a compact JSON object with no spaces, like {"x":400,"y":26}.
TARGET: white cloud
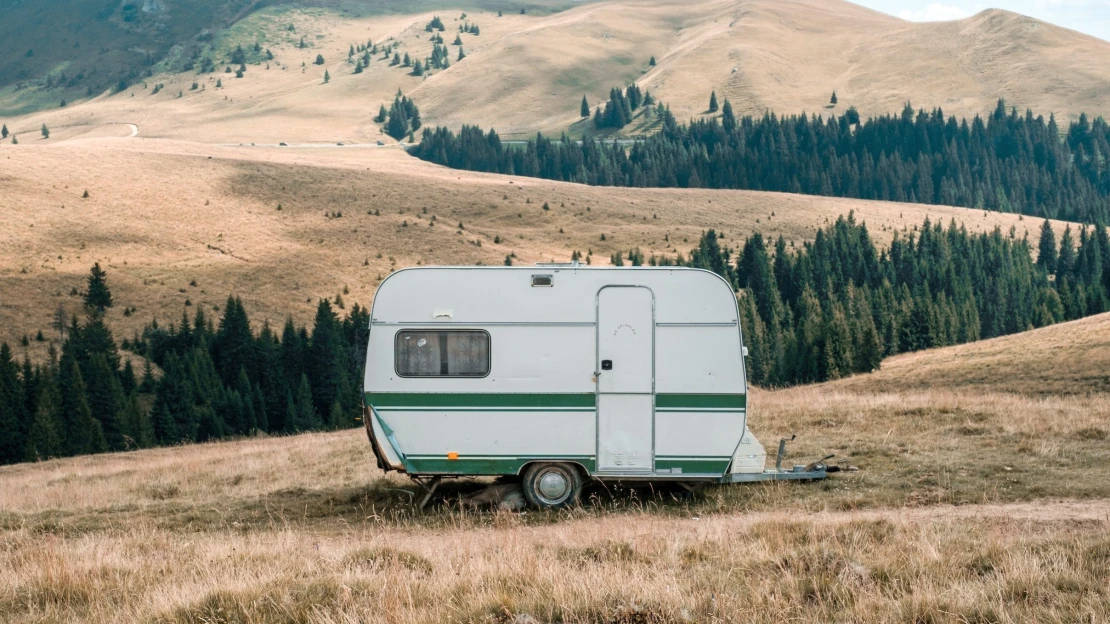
{"x":934,"y":12}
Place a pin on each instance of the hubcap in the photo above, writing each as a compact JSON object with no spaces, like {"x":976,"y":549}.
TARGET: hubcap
{"x":553,"y":486}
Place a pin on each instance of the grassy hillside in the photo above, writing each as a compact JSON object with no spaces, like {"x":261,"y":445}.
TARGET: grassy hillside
{"x":210,"y":215}
{"x":78,"y":49}
{"x":783,"y":56}
{"x":1070,"y":358}
{"x":980,"y":506}
{"x":528,"y":73}
{"x":88,"y":46}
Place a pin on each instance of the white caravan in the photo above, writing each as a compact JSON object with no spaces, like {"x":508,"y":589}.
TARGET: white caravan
{"x":558,"y":374}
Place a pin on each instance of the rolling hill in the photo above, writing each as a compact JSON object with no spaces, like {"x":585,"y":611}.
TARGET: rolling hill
{"x":785,"y":56}
{"x":74,"y":49}
{"x":528,"y":73}
{"x":163,"y":214}
{"x":1069,"y":358}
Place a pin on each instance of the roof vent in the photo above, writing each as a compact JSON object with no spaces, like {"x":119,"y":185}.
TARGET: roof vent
{"x":569,"y":265}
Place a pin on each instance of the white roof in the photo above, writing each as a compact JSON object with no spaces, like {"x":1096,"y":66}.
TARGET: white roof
{"x":485,"y":295}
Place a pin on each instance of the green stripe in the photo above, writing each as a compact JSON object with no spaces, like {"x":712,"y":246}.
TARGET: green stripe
{"x":385,"y":400}
{"x":539,"y":402}
{"x":487,"y":410}
{"x":709,"y":465}
{"x":487,"y":466}
{"x":734,"y":401}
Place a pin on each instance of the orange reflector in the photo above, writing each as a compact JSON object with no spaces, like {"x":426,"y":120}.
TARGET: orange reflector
{"x":452,"y":455}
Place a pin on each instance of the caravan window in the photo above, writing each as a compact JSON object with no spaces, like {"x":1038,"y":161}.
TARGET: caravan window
{"x":421,"y":353}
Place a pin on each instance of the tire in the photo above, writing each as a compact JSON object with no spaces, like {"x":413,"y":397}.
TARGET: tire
{"x":552,"y":486}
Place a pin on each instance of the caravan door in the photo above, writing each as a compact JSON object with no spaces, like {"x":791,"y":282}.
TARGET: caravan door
{"x":625,"y":379}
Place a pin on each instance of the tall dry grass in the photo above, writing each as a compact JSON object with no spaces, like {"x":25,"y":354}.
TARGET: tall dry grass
{"x":954,"y":516}
{"x":626,"y":567}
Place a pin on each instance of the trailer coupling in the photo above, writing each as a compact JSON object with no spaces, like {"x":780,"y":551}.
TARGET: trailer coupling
{"x":813,"y":471}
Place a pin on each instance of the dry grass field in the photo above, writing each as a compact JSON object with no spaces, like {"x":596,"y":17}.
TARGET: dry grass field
{"x":163,"y":214}
{"x":968,"y":506}
{"x":528,"y":73}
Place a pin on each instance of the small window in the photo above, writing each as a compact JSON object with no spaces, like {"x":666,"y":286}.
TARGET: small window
{"x":543,"y":280}
{"x":440,"y":353}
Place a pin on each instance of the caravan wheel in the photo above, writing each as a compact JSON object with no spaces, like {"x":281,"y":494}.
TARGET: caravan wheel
{"x":552,"y":486}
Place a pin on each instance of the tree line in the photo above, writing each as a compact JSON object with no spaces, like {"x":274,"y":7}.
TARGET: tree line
{"x":1008,"y":161}
{"x":216,"y":381}
{"x":838,"y":305}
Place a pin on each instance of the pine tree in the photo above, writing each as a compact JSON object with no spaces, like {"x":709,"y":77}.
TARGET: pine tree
{"x":45,"y":132}
{"x":382,"y":114}
{"x":81,"y":434}
{"x":43,"y":441}
{"x":728,"y":118}
{"x":832,"y":100}
{"x":233,"y":348}
{"x":106,"y":402}
{"x":127,"y":378}
{"x":713,"y":102}
{"x":585,"y":110}
{"x":301,"y":415}
{"x":4,"y":132}
{"x":462,"y":55}
{"x":1065,"y":262}
{"x":327,"y":77}
{"x":1046,"y":248}
{"x":651,"y":61}
{"x":335,"y":416}
{"x":319,"y":59}
{"x":262,"y":419}
{"x":146,"y":385}
{"x":12,"y":410}
{"x":98,"y":297}
{"x":397,"y":126}
{"x":173,"y":399}
{"x":326,"y":369}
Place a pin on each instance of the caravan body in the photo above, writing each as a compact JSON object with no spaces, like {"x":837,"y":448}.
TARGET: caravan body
{"x":622,"y":373}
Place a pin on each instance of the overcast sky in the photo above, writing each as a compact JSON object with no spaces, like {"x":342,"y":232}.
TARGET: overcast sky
{"x":1088,"y":16}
